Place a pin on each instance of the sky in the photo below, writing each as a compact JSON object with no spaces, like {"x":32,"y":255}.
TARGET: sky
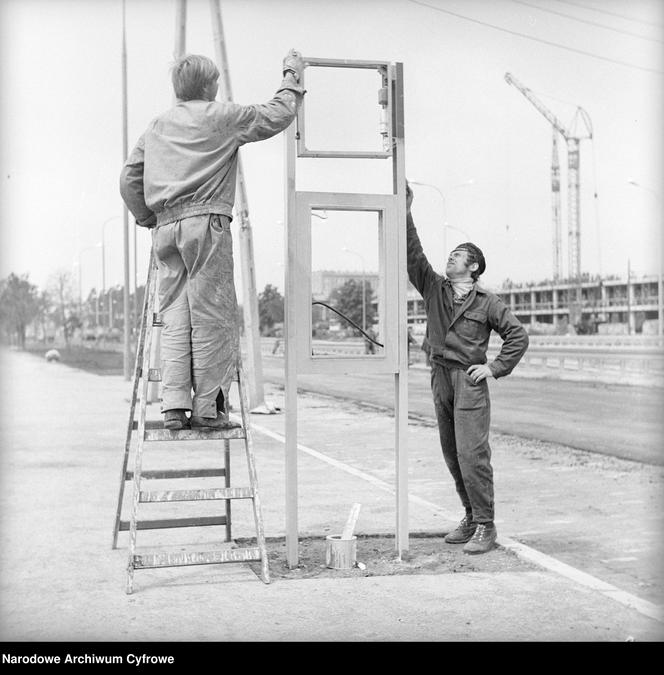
{"x":477,"y":140}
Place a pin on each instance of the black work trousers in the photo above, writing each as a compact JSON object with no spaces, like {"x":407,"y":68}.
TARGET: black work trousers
{"x":463,"y":410}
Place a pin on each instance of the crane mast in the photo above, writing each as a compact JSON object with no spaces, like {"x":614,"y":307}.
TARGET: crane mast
{"x":555,"y":209}
{"x":573,"y":183}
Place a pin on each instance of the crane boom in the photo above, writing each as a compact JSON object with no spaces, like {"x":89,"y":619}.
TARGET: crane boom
{"x":510,"y":79}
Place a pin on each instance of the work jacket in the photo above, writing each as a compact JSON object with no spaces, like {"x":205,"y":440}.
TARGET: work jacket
{"x":459,"y":336}
{"x":185,"y":163}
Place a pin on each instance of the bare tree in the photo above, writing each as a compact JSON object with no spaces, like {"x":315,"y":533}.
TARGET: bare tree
{"x":65,"y":314}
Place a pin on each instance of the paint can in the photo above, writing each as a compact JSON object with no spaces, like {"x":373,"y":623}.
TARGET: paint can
{"x":340,"y":554}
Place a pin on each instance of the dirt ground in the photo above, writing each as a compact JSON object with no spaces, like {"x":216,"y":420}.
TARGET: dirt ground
{"x":376,"y":556}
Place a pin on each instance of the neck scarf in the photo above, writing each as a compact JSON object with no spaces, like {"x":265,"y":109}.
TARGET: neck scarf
{"x":461,"y":288}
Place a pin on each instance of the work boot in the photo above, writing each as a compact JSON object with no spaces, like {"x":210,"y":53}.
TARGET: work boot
{"x":483,"y":540}
{"x":464,"y":531}
{"x":176,"y":419}
{"x":221,"y":421}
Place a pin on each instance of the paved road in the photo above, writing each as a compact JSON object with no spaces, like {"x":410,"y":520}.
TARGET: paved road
{"x":622,"y":421}
{"x":598,"y":514}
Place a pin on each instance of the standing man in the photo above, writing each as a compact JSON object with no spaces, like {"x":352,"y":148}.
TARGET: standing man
{"x":460,"y":318}
{"x":180,"y":180}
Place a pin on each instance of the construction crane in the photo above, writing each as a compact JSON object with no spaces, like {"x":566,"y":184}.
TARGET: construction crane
{"x":555,"y":208}
{"x":573,"y":139}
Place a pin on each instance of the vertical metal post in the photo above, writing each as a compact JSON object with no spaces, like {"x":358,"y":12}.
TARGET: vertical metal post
{"x":249,"y":296}
{"x":127,"y":334}
{"x":180,"y":29}
{"x":290,"y":353}
{"x":364,"y":299}
{"x":660,"y":300}
{"x":401,"y":378}
{"x":629,"y":297}
{"x":103,"y":278}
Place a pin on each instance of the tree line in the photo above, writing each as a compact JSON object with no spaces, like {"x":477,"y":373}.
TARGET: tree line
{"x":23,"y":304}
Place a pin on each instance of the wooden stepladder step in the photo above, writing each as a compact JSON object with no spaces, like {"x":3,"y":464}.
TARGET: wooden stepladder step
{"x":148,"y":485}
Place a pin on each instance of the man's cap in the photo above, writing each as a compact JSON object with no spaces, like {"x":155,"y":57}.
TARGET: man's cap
{"x":476,"y":251}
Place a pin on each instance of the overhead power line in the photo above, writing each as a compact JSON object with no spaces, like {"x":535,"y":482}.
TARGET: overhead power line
{"x":606,"y":11}
{"x":587,"y":21}
{"x":534,"y":39}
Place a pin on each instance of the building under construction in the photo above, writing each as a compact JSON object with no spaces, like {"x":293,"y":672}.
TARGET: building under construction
{"x":608,"y":305}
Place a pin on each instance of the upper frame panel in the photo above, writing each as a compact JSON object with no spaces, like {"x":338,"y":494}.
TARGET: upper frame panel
{"x":385,"y":102}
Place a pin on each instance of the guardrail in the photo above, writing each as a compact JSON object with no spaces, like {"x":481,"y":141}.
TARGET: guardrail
{"x":594,"y":341}
{"x":594,"y":356}
{"x":621,"y":361}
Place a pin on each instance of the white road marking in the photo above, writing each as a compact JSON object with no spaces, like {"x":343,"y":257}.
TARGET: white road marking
{"x":609,"y":590}
{"x":627,"y":558}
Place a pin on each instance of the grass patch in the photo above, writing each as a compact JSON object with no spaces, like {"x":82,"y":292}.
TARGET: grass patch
{"x":98,"y":361}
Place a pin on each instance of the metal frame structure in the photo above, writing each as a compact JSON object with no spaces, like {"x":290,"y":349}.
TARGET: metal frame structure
{"x":391,"y":210}
{"x":384,"y":206}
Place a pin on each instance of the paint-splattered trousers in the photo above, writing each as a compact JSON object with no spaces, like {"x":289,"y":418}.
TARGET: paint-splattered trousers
{"x":198,"y":308}
{"x":463,"y":410}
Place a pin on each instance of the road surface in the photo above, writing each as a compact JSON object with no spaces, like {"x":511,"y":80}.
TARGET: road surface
{"x":618,"y":420}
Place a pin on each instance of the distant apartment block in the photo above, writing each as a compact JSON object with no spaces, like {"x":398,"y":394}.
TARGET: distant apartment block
{"x":608,"y":305}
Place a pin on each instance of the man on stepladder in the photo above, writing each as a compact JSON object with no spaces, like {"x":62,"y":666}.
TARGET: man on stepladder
{"x":180,"y":179}
{"x":460,"y":318}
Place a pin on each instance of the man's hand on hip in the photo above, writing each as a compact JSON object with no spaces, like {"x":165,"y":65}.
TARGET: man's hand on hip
{"x":479,"y":372}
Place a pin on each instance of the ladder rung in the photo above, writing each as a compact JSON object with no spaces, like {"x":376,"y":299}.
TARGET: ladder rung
{"x":202,"y":521}
{"x":159,"y":424}
{"x":202,"y":558}
{"x":196,"y":495}
{"x":193,"y":434}
{"x":178,"y":473}
{"x":154,"y":374}
{"x":149,"y":424}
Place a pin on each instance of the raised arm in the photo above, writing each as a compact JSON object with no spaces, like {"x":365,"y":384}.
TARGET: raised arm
{"x":420,"y":272}
{"x":261,"y":121}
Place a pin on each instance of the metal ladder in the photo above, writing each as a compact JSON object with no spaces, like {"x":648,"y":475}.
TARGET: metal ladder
{"x":147,"y":432}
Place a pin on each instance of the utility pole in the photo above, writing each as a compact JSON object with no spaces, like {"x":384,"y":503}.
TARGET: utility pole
{"x":629,"y":297}
{"x":250,"y":298}
{"x":179,"y":48}
{"x":180,"y":29}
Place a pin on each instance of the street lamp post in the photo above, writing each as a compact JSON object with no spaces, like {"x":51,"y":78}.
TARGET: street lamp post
{"x":446,"y":226}
{"x":80,"y":279}
{"x":660,"y":255}
{"x":364,"y":289}
{"x":103,"y":267}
